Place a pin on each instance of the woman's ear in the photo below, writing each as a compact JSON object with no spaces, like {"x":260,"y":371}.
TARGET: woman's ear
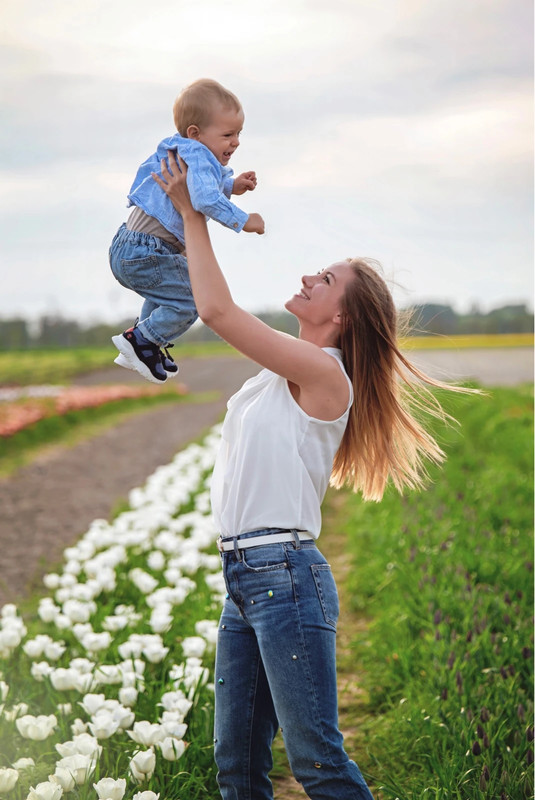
{"x":193,"y":132}
{"x":337,"y":319}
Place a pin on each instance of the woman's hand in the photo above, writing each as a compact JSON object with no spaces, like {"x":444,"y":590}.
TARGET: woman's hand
{"x":173,"y":182}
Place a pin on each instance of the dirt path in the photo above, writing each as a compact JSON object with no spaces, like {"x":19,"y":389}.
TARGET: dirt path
{"x":50,"y":503}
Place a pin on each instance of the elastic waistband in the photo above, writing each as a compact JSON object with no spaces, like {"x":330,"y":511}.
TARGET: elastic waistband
{"x":149,"y":239}
{"x":238,"y":543}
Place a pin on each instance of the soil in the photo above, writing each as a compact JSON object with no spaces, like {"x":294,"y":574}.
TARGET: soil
{"x":50,"y":503}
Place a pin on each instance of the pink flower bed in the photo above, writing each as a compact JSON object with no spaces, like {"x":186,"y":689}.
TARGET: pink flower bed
{"x":15,"y":416}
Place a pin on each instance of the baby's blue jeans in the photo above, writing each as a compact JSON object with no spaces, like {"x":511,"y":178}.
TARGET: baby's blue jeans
{"x":157,"y":272}
{"x":276,"y":666}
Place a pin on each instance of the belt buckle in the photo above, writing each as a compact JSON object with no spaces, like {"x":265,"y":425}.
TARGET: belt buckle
{"x":219,"y":543}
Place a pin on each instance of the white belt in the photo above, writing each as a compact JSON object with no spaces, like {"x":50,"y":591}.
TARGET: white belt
{"x":224,"y":545}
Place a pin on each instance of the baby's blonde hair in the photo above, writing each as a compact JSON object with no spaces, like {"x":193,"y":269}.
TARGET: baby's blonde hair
{"x":195,"y":104}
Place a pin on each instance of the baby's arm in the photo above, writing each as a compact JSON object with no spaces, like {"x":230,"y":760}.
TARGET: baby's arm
{"x":206,"y":196}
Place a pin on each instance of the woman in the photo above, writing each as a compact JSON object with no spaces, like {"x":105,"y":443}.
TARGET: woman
{"x":327,"y":406}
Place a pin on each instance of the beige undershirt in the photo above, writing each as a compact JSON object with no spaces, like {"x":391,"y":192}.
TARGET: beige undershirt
{"x":143,"y":223}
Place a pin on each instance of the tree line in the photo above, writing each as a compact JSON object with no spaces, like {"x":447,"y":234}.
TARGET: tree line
{"x":17,"y":333}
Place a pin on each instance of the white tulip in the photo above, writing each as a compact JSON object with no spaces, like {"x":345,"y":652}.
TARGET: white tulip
{"x":103,"y":725}
{"x":63,"y":622}
{"x":82,"y":743}
{"x":115,"y":623}
{"x":142,"y":580}
{"x":92,"y":703}
{"x":155,"y":653}
{"x":47,"y":610}
{"x":193,"y":646}
{"x":78,"y":727}
{"x":109,"y":674}
{"x":41,"y":670}
{"x":54,"y":650}
{"x":142,"y":765}
{"x":96,"y":641}
{"x":79,"y":765}
{"x":51,"y":581}
{"x":8,"y":779}
{"x":82,"y":665}
{"x":78,"y":611}
{"x":174,"y":728}
{"x":64,"y":680}
{"x":147,"y":733}
{"x":65,"y":708}
{"x":81,"y":629}
{"x":36,"y":728}
{"x":156,"y":560}
{"x":4,"y":689}
{"x":64,"y":778}
{"x":45,"y":791}
{"x":161,"y":623}
{"x":23,"y":763}
{"x":110,"y":789}
{"x":172,"y":748}
{"x":18,"y":710}
{"x":130,"y":648}
{"x":124,"y":716}
{"x":146,"y":796}
{"x":208,"y":629}
{"x":9,"y":611}
{"x":176,"y":701}
{"x":33,"y":648}
{"x":128,"y":695}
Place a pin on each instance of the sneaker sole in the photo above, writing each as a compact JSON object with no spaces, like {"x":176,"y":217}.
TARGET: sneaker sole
{"x":123,"y":361}
{"x":124,"y":347}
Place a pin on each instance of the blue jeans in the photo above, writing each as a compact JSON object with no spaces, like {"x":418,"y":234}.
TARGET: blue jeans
{"x":155,"y":270}
{"x":276,"y":665}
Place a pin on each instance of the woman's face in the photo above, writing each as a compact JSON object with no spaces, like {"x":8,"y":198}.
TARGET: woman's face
{"x":320,"y":296}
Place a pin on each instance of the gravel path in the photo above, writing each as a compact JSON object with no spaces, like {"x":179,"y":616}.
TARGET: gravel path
{"x":50,"y":503}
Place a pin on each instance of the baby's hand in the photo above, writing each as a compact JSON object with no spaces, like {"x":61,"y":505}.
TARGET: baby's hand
{"x":245,"y":182}
{"x":255,"y":224}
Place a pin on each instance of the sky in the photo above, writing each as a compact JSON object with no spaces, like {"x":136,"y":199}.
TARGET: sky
{"x":399,"y":130}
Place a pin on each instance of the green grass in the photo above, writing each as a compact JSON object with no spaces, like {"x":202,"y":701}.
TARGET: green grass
{"x":75,"y":426}
{"x":57,"y":366}
{"x":447,"y":578}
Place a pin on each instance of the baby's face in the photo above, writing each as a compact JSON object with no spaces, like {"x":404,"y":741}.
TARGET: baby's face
{"x":222,"y":134}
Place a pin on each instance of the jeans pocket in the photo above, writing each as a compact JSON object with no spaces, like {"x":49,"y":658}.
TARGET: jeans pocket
{"x":327,"y":593}
{"x":141,"y":273}
{"x":264,"y":559}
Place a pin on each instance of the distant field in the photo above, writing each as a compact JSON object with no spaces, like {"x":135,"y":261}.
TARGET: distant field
{"x":25,"y":367}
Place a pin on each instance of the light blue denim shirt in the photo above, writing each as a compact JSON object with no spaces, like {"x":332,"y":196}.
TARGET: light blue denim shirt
{"x":209,"y":183}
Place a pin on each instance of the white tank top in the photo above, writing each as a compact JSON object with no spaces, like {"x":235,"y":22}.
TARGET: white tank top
{"x":274,"y":461}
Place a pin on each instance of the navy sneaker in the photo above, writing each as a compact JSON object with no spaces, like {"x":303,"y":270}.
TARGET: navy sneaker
{"x":145,"y":356}
{"x":168,"y":363}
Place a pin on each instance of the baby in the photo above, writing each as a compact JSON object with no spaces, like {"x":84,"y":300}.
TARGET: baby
{"x":147,"y":254}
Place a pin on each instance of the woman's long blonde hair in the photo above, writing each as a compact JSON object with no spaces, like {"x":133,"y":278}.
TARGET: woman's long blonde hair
{"x":383,"y":440}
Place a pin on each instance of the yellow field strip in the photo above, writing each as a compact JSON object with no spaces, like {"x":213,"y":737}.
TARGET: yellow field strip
{"x":439,"y":342}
